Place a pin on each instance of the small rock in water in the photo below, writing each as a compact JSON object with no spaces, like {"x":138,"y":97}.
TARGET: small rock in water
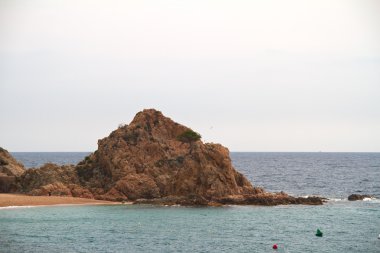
{"x":354,"y":197}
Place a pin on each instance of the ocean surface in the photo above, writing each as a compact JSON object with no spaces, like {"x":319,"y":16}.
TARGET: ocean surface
{"x":347,"y":226}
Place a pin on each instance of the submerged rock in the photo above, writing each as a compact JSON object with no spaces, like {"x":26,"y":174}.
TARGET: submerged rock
{"x":158,"y":161}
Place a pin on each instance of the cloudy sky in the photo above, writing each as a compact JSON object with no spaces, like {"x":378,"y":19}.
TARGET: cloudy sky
{"x":258,"y":75}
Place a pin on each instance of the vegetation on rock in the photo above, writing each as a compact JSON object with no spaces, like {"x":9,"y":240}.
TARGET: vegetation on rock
{"x":189,"y":136}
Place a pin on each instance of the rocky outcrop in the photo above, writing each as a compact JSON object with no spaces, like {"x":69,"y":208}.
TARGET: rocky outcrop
{"x":262,"y":199}
{"x":154,"y":160}
{"x":10,"y":169}
{"x":154,"y":157}
{"x":354,"y":197}
{"x":9,"y":166}
{"x":52,"y":179}
{"x":270,"y":199}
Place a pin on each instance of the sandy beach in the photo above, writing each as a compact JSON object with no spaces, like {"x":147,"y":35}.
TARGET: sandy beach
{"x":25,"y":200}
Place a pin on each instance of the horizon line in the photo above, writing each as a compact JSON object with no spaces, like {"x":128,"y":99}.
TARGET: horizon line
{"x":234,"y":151}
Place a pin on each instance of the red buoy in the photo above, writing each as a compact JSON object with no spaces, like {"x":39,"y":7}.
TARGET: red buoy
{"x":274,"y":246}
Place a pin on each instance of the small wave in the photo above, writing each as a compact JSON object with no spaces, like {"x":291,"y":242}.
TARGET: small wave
{"x":336,"y":199}
{"x":372,"y":199}
{"x":15,"y":207}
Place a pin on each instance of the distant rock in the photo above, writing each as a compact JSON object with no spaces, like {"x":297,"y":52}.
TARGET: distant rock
{"x":154,"y":160}
{"x":354,"y":197}
{"x":9,"y":166}
{"x":10,"y":169}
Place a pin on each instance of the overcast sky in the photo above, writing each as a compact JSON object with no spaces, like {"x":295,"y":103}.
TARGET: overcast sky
{"x":258,"y":75}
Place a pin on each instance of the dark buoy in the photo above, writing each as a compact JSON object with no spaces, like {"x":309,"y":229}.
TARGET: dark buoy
{"x":274,"y":246}
{"x":319,"y":233}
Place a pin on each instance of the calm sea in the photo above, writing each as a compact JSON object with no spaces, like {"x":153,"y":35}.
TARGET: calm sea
{"x":347,"y":226}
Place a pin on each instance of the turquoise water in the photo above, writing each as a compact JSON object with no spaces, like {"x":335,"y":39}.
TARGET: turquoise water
{"x":347,"y":227}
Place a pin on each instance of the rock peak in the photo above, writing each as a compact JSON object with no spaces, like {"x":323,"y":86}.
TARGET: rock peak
{"x":149,"y":125}
{"x":150,"y":116}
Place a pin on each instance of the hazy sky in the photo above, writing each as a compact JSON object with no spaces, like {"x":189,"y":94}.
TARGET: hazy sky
{"x":269,"y":75}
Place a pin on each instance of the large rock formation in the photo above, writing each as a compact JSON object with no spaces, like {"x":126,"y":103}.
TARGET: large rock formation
{"x":154,"y":160}
{"x":10,"y":169}
{"x":154,"y":157}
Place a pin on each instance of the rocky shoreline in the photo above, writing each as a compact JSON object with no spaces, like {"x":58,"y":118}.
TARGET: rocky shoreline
{"x":267,"y":199}
{"x":153,"y":160}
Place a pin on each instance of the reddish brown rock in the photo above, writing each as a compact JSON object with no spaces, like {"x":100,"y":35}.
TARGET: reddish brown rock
{"x":148,"y":160}
{"x":136,"y":186}
{"x":52,"y":179}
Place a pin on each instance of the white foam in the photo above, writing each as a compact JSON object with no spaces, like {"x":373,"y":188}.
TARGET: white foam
{"x":372,"y":200}
{"x":15,"y":207}
{"x":336,"y":199}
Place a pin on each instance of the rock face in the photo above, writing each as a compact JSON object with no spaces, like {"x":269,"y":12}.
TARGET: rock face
{"x":9,"y":166}
{"x":9,"y":170}
{"x":52,"y":179}
{"x":154,"y":160}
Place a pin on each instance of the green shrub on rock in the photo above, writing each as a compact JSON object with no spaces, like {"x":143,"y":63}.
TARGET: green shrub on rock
{"x":189,"y":136}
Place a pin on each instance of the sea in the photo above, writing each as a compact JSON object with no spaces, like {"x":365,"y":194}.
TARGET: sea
{"x":347,"y":226}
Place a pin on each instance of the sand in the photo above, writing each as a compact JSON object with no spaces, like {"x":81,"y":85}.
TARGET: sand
{"x":25,"y":200}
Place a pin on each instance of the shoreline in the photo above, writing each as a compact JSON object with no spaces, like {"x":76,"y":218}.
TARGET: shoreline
{"x":15,"y":201}
{"x":9,"y":201}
